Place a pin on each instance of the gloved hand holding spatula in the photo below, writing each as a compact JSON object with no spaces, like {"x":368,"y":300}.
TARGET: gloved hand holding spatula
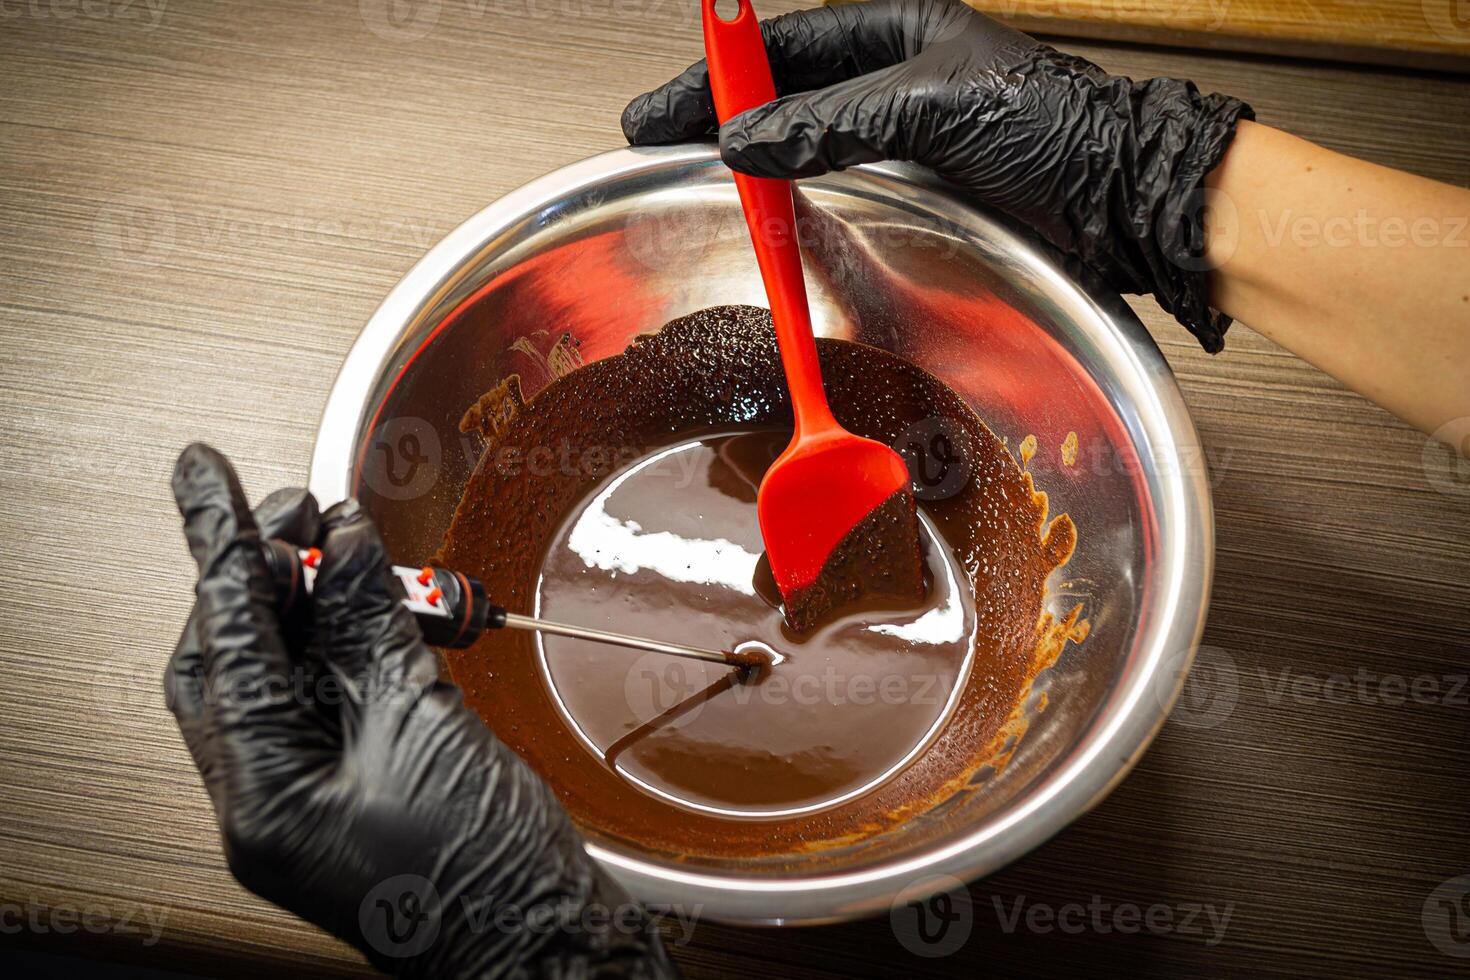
{"x":1157,"y":188}
{"x":1106,"y":168}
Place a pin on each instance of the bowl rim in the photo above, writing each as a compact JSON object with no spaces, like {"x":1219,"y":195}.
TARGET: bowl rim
{"x":1111,"y":744}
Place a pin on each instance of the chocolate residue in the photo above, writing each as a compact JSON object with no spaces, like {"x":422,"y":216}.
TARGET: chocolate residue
{"x":728,"y":770}
{"x":1027,"y":450}
{"x":878,"y":559}
{"x":1069,"y":449}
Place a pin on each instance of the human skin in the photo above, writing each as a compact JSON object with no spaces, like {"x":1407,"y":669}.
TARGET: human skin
{"x":1359,"y":269}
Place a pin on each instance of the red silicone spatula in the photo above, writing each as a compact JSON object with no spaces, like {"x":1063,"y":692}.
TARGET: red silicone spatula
{"x":828,"y":480}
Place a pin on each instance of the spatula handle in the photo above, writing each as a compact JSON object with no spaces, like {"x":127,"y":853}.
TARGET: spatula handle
{"x":740,"y":79}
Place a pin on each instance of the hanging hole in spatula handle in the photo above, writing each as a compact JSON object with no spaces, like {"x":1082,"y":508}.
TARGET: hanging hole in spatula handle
{"x":740,"y":75}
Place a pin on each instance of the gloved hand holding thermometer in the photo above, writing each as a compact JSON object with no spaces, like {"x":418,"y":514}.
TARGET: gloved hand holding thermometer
{"x":389,"y":815}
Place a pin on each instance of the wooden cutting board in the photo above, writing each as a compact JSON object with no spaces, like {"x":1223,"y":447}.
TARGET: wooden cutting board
{"x":1432,"y":34}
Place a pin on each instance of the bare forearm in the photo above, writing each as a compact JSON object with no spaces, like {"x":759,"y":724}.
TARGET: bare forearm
{"x":1361,"y":270}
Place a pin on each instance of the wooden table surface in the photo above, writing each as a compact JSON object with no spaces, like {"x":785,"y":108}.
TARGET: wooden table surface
{"x":202,"y":202}
{"x":1412,"y":33}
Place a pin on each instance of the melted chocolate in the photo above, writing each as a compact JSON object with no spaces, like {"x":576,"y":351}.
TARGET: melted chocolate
{"x":879,"y":558}
{"x":669,"y":548}
{"x":623,"y":496}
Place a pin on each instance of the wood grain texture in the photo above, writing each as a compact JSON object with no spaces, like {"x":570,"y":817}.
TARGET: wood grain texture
{"x":1415,"y":33}
{"x":198,"y":213}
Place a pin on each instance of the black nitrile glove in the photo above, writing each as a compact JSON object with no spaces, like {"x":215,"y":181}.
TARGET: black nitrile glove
{"x":352,"y":786}
{"x":1105,"y":168}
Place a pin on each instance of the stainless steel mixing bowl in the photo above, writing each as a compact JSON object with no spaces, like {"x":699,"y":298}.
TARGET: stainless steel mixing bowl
{"x":572,"y":266}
